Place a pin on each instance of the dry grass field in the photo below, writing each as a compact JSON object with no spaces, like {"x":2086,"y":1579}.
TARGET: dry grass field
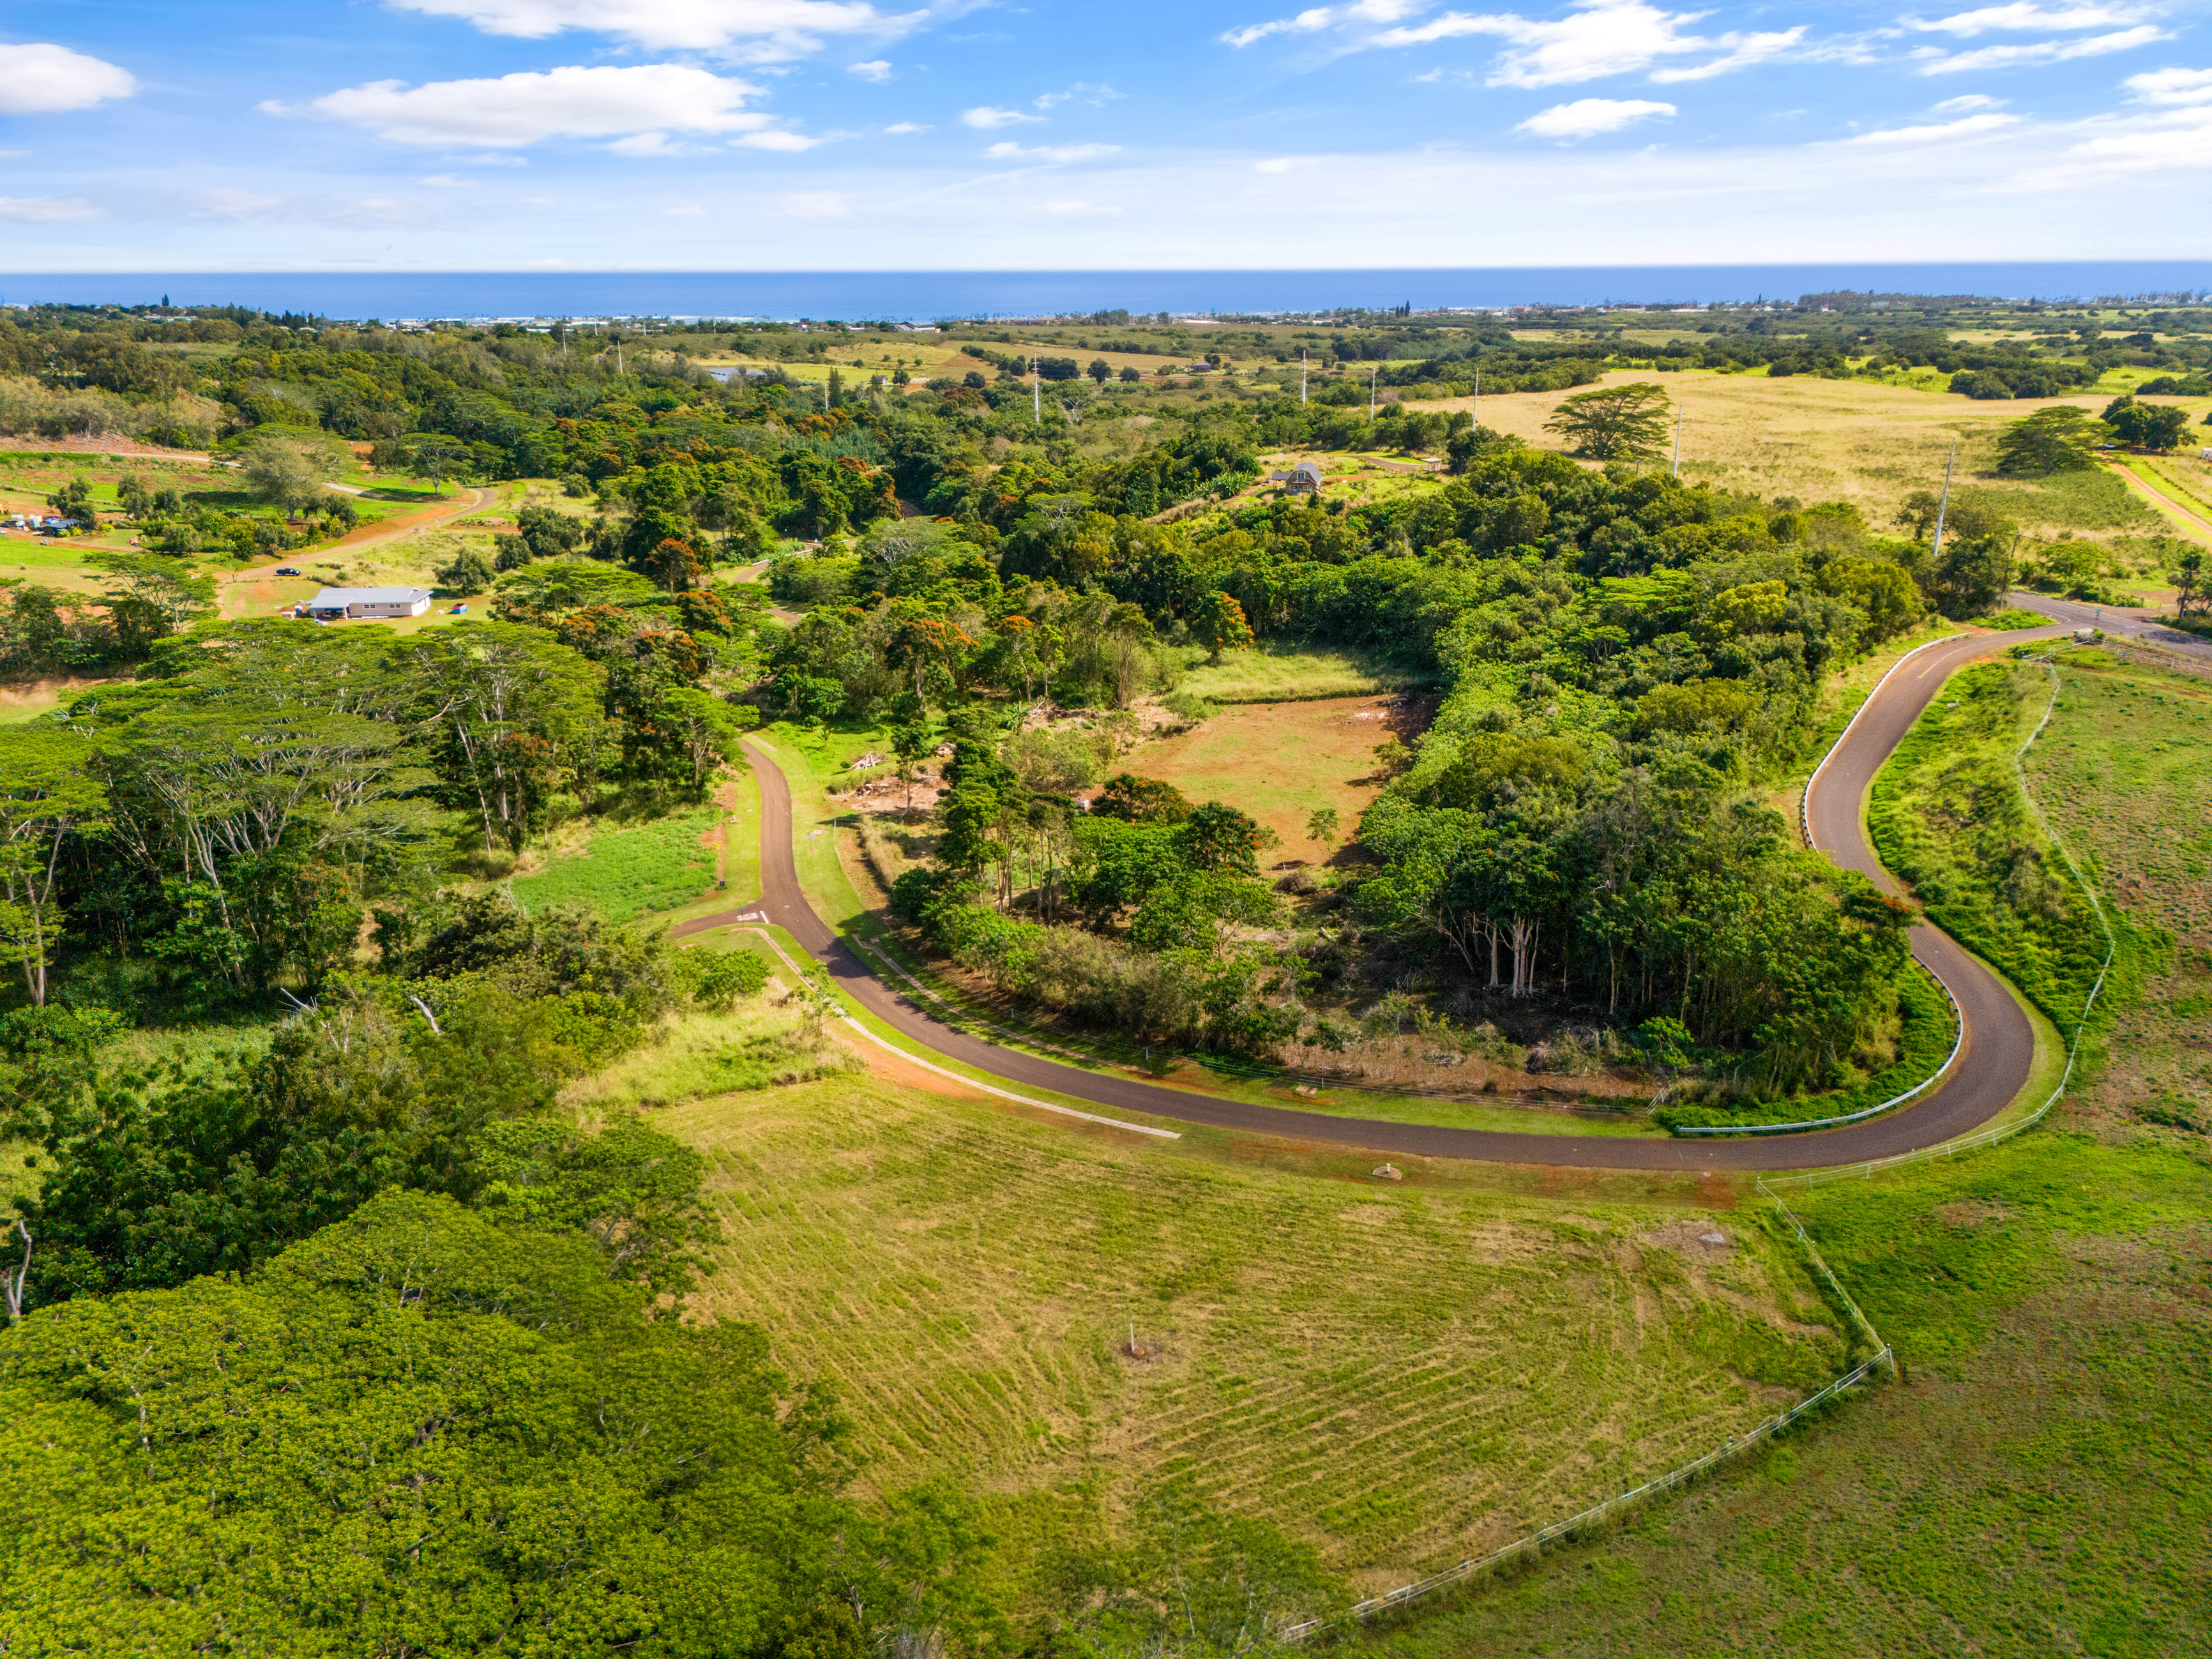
{"x":1396,"y":1374}
{"x":1851,"y":440}
{"x":1279,"y":762}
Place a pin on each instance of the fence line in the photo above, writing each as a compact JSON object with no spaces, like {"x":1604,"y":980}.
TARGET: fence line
{"x":1734,"y":1446}
{"x":1883,"y":1357}
{"x":2003,"y":1131}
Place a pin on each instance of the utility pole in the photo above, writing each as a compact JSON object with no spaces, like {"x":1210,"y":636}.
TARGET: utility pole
{"x":1036,"y":395}
{"x":1302,"y":377}
{"x":1943,"y":507}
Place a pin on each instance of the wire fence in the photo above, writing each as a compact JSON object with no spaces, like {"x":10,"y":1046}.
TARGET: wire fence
{"x":2005,"y":1131}
{"x":1535,"y":1541}
{"x":1882,"y":1360}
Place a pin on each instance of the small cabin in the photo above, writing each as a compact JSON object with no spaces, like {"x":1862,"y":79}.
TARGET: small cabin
{"x":1304,"y":479}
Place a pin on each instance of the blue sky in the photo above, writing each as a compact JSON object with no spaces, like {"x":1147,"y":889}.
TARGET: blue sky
{"x":812,"y":134}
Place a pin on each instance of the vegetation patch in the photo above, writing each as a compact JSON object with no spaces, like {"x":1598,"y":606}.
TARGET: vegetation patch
{"x":625,"y":871}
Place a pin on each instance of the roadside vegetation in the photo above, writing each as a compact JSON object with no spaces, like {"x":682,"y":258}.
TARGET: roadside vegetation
{"x":383,"y":1090}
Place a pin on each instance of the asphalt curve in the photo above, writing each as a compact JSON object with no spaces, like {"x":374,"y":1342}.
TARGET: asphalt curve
{"x":1992,"y":1068}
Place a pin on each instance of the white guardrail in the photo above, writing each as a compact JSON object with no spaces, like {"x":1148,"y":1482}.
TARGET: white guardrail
{"x":1882,"y":1358}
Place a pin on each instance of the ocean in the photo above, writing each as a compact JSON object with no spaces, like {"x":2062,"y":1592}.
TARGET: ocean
{"x":923,"y":296}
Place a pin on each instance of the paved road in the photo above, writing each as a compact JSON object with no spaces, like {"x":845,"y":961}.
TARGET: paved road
{"x":2130,"y":623}
{"x":1992,"y":1068}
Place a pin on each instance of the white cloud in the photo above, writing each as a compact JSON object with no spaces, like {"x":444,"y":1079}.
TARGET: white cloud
{"x":1743,"y":51}
{"x":817,"y":204}
{"x":47,"y":210}
{"x":2044,"y":52}
{"x":900,"y":129}
{"x":1315,"y":18}
{"x":762,"y":29}
{"x":1082,"y":92}
{"x":877,"y":70}
{"x":2172,"y":86}
{"x":1057,"y":154}
{"x":450,"y":181}
{"x":1598,"y":38}
{"x":603,"y":101}
{"x":1971,"y":101}
{"x":1935,"y":133}
{"x":988,"y":120}
{"x":1282,"y":164}
{"x":2024,"y":15}
{"x":1071,"y":205}
{"x":494,"y":160}
{"x":777,"y":138}
{"x":46,"y":79}
{"x":2169,"y":140}
{"x":690,"y":210}
{"x":1586,"y":117}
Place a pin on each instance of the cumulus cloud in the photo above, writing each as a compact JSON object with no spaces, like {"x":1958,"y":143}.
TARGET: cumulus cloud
{"x":1937,"y":132}
{"x":762,"y":29}
{"x":2043,"y":51}
{"x":47,"y":210}
{"x":47,"y":80}
{"x":1053,"y":153}
{"x":1971,"y":101}
{"x":2172,"y":86}
{"x":817,"y":204}
{"x":1586,"y":117}
{"x":877,"y":70}
{"x":900,"y":129}
{"x":2169,"y":140}
{"x":986,"y":118}
{"x":1985,"y":20}
{"x":780,"y":139}
{"x":644,"y":102}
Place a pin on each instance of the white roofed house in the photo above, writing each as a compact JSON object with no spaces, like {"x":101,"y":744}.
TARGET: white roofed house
{"x":1304,"y":477}
{"x":335,"y":604}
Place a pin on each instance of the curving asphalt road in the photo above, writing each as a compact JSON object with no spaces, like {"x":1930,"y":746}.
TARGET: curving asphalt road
{"x":2128,"y":623}
{"x":1993,"y":1064}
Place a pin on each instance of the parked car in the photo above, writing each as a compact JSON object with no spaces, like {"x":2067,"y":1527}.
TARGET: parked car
{"x":287,"y":570}
{"x":458,"y":610}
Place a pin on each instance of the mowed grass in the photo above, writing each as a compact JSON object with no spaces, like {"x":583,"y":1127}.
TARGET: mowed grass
{"x":1395,"y":1375}
{"x":625,"y":871}
{"x":1851,"y":440}
{"x":2125,"y":772}
{"x":1281,"y":762}
{"x":2037,"y":1485}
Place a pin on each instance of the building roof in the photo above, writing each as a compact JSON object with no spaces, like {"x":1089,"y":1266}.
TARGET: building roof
{"x":338,"y":598}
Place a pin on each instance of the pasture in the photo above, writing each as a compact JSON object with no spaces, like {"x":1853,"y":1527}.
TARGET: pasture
{"x":624,"y":871}
{"x":1395,"y":1374}
{"x":1860,"y":441}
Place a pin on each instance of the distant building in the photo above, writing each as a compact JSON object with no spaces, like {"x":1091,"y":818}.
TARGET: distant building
{"x":1304,"y":479}
{"x":333,"y":604}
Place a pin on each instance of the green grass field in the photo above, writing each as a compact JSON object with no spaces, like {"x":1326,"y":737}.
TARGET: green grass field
{"x":1290,"y":676}
{"x":1396,"y":1374}
{"x":626,"y":871}
{"x":2039,"y":1482}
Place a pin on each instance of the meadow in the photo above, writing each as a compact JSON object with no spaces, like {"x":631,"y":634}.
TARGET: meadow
{"x":624,"y":871}
{"x":1392,"y":1372}
{"x":1859,"y":441}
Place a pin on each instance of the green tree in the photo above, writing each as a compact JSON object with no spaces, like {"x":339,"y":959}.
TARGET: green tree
{"x":2189,"y":586}
{"x":1320,"y":825}
{"x":1139,"y":800}
{"x":168,"y":593}
{"x":2146,"y":426}
{"x":47,"y":795}
{"x":2056,"y":439}
{"x":289,"y":472}
{"x":470,"y":572}
{"x":1620,"y":423}
{"x":1100,"y":370}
